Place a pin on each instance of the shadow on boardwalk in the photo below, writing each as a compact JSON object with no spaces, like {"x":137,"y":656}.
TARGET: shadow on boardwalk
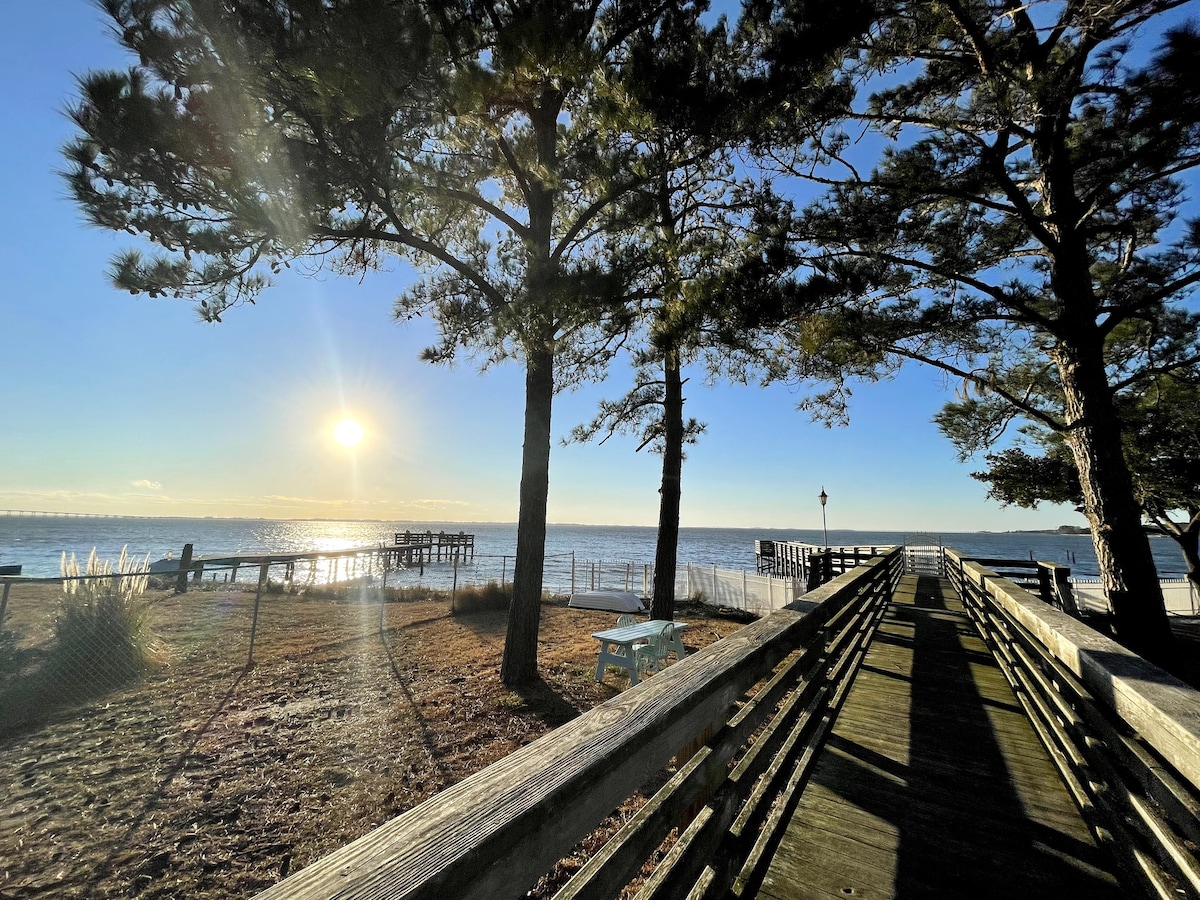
{"x":933,"y":783}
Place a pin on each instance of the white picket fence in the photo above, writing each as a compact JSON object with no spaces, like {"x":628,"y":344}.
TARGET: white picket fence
{"x":733,"y":589}
{"x":1179,"y":596}
{"x":746,"y":591}
{"x":761,"y":594}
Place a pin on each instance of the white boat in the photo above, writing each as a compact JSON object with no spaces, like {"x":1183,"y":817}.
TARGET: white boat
{"x":612,"y":601}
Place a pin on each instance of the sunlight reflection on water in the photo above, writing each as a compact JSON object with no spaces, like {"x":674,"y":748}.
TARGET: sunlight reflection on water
{"x":38,"y":542}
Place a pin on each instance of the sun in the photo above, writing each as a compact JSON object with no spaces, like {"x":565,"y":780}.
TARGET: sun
{"x":347,"y":432}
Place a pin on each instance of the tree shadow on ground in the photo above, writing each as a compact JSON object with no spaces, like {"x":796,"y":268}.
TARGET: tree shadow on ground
{"x":546,"y":702}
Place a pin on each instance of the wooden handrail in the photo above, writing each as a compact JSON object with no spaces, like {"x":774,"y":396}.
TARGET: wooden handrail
{"x":1124,"y":733}
{"x":495,"y":833}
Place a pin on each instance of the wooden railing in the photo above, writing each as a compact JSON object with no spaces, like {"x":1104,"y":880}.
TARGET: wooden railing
{"x":1124,"y":734}
{"x":1049,"y":581}
{"x":815,"y":565}
{"x":422,"y":546}
{"x":496,"y":833}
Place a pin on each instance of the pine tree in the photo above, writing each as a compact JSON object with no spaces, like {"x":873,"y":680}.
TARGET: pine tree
{"x":481,"y":141}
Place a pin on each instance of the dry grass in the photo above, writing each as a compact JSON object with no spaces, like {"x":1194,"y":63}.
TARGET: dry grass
{"x":210,"y":779}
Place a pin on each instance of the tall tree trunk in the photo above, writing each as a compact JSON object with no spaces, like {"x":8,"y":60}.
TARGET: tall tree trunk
{"x":519,"y":664}
{"x":524,"y":616}
{"x":1122,"y":547}
{"x":666,"y":550}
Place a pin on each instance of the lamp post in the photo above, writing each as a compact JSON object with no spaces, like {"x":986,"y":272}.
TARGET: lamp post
{"x":824,"y":498}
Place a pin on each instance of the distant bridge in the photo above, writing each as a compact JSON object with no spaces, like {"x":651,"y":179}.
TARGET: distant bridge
{"x":63,"y":515}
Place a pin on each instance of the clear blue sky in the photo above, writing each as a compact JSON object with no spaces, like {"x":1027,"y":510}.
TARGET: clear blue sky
{"x":117,"y":404}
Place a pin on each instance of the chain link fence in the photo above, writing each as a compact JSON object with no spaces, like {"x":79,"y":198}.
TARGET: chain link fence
{"x":66,"y":640}
{"x":145,"y":731}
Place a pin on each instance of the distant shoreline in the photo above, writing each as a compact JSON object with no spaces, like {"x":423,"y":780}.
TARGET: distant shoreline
{"x":1061,"y":529}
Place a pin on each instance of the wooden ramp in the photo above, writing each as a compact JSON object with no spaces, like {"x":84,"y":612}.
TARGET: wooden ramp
{"x":933,"y":783}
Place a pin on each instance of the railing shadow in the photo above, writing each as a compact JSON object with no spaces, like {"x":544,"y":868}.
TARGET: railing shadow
{"x":961,"y":826}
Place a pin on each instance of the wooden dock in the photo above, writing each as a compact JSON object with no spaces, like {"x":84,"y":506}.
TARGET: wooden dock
{"x":798,"y":560}
{"x":424,"y":546}
{"x":933,"y":782}
{"x":411,"y":549}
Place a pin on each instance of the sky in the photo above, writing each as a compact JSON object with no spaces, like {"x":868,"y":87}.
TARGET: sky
{"x":122,"y":405}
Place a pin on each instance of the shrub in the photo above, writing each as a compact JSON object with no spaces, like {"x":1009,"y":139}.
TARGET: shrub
{"x":489,"y":597}
{"x":101,"y":629}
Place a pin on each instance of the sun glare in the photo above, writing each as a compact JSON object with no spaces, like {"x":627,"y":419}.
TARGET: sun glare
{"x":348,"y":433}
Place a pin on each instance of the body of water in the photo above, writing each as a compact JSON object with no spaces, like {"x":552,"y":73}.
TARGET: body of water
{"x":38,"y":542}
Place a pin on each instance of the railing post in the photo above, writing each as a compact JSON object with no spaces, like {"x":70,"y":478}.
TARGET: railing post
{"x":4,"y":601}
{"x":383,"y":593}
{"x":185,"y":561}
{"x":262,"y":580}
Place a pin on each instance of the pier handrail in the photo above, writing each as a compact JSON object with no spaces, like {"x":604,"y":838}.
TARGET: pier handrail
{"x":497,"y":832}
{"x":1124,"y":734}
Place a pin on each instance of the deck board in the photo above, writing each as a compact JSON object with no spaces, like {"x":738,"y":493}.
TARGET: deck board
{"x":933,"y":783}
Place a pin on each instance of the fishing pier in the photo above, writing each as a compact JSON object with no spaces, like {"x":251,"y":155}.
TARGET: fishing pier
{"x":410,"y":550}
{"x":920,"y":725}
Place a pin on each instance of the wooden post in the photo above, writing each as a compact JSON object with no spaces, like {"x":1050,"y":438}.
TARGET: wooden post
{"x":383,"y":594}
{"x":185,"y":561}
{"x":454,"y":587}
{"x":4,"y":601}
{"x":262,"y":581}
{"x":1055,"y":587}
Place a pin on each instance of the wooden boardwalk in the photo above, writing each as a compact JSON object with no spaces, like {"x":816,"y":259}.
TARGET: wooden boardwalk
{"x":933,"y":783}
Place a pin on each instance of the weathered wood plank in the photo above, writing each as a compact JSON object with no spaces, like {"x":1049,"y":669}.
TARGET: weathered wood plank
{"x":1164,"y":710}
{"x":933,"y":782}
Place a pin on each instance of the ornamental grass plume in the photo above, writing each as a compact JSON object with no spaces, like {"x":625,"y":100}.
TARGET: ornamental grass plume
{"x":101,"y":628}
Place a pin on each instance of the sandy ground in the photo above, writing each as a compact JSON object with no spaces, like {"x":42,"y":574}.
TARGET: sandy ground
{"x":211,"y":779}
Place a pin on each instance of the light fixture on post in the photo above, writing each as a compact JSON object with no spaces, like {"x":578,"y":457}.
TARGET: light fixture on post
{"x":824,"y":498}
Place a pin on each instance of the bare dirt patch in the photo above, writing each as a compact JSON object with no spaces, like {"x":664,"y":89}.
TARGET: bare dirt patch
{"x":208,"y":778}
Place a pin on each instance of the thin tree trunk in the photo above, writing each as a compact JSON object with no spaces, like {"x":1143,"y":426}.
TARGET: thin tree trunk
{"x":1188,"y":539}
{"x":667,"y":549}
{"x":519,"y":664}
{"x":1122,"y":547}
